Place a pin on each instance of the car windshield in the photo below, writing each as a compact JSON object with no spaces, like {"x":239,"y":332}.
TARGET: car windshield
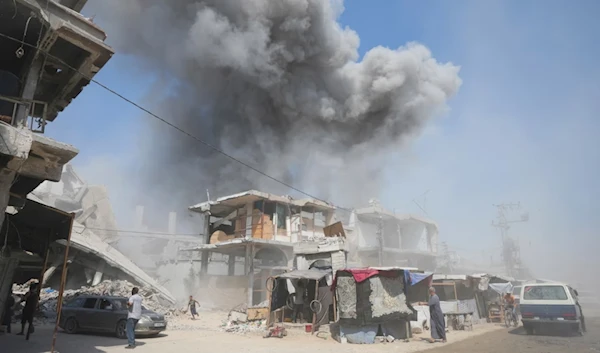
{"x":544,"y":293}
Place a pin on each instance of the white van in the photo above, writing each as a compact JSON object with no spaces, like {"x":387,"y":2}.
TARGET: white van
{"x":545,"y":304}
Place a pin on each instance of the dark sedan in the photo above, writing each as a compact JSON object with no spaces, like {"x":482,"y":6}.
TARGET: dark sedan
{"x":89,"y":313}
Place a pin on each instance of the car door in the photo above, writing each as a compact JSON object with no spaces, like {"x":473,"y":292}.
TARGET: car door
{"x":71,"y":309}
{"x":86,"y":314}
{"x":106,"y":316}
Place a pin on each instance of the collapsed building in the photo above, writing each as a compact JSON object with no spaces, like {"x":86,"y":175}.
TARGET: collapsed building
{"x":48,"y":53}
{"x":259,"y":228}
{"x":378,"y":237}
{"x":93,"y":256}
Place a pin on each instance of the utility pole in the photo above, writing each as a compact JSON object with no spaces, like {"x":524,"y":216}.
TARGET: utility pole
{"x":511,"y":254}
{"x":380,"y":238}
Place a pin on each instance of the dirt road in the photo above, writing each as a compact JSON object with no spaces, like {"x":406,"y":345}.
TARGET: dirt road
{"x":484,"y":338}
{"x":516,"y":340}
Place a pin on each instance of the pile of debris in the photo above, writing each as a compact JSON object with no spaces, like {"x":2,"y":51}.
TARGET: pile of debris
{"x":49,"y":297}
{"x":242,"y":319}
{"x":242,"y":327}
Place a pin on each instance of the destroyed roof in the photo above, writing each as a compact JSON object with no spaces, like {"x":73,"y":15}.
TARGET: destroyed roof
{"x":224,"y":205}
{"x":376,"y":211}
{"x":87,"y":241}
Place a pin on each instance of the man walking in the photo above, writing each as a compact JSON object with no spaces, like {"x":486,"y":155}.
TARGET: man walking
{"x":134,"y":304}
{"x":29,"y":310}
{"x":437,"y":322}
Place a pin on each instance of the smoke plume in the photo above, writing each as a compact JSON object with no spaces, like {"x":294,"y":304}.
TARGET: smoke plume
{"x":277,"y":84}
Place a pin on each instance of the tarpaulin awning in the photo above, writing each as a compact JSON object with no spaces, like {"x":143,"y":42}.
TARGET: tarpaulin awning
{"x":501,"y":288}
{"x":363,"y":274}
{"x":414,"y":278}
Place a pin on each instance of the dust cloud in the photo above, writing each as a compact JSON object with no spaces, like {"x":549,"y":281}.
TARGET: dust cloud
{"x":277,"y":84}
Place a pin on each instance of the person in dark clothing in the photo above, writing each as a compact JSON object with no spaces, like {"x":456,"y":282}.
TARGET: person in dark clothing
{"x":8,"y":311}
{"x":438,"y":324}
{"x":299,"y":297}
{"x":29,"y":310}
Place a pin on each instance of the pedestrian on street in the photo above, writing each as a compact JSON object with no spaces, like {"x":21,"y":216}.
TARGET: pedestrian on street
{"x":8,"y":311}
{"x":134,"y":304}
{"x":192,"y":306}
{"x":438,"y":325}
{"x":299,"y":301}
{"x":29,"y":310}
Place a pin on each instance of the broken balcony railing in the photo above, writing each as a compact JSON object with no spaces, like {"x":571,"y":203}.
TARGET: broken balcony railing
{"x":35,"y":112}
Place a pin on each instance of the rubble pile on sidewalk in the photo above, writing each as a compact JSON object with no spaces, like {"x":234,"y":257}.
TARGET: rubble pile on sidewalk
{"x":238,"y":322}
{"x":244,"y":327}
{"x":49,"y":297}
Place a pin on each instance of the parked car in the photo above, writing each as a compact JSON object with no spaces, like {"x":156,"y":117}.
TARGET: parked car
{"x":550,"y":304}
{"x":89,"y":313}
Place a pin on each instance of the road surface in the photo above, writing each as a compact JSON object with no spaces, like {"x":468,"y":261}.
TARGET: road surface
{"x":517,"y":341}
{"x":485,"y":338}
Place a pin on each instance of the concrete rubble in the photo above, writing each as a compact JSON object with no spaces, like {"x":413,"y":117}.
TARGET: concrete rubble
{"x":94,"y":232}
{"x":238,"y":321}
{"x":49,"y":298}
{"x":90,"y":203}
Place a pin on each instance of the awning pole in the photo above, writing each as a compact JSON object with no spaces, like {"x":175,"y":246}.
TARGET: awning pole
{"x":63,"y":280}
{"x":43,"y":270}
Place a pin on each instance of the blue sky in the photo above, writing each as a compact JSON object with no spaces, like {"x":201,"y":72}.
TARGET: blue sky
{"x":522,"y":128}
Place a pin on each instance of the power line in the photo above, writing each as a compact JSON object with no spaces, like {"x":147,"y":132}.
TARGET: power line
{"x":207,"y":144}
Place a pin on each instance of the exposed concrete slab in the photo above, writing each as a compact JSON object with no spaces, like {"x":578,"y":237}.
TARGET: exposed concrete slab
{"x":15,"y":142}
{"x":87,"y":241}
{"x":47,"y":158}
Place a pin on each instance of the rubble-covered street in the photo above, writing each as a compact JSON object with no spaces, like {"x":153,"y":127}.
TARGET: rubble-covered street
{"x":302,"y":175}
{"x":206,"y":337}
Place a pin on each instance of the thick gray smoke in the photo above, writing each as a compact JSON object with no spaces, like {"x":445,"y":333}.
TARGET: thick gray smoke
{"x":278,"y":84}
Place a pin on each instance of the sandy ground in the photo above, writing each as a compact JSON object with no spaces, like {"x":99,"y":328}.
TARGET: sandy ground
{"x":517,"y":341}
{"x":205,"y":335}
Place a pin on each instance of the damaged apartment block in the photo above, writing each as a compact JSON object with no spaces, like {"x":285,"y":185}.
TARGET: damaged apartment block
{"x":261,"y":229}
{"x":44,"y":47}
{"x":378,"y":237}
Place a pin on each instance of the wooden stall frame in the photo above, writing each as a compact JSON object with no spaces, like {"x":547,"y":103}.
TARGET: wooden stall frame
{"x":63,"y":281}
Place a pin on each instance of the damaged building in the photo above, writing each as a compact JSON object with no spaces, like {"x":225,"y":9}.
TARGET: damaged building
{"x":378,"y":237}
{"x":93,"y":255}
{"x":260,"y":229}
{"x":45,"y":48}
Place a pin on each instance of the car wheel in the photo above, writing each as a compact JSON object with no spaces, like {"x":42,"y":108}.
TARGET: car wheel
{"x":121,"y":329}
{"x":528,"y":329}
{"x":71,"y":325}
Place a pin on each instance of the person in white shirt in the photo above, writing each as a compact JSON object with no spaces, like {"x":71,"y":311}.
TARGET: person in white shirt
{"x":134,"y":304}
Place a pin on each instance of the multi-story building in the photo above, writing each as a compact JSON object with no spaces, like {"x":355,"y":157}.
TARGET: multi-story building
{"x":378,"y":237}
{"x":48,"y":53}
{"x":261,"y":229}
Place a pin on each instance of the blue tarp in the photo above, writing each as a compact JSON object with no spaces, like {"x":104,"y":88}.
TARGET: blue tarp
{"x":414,"y":278}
